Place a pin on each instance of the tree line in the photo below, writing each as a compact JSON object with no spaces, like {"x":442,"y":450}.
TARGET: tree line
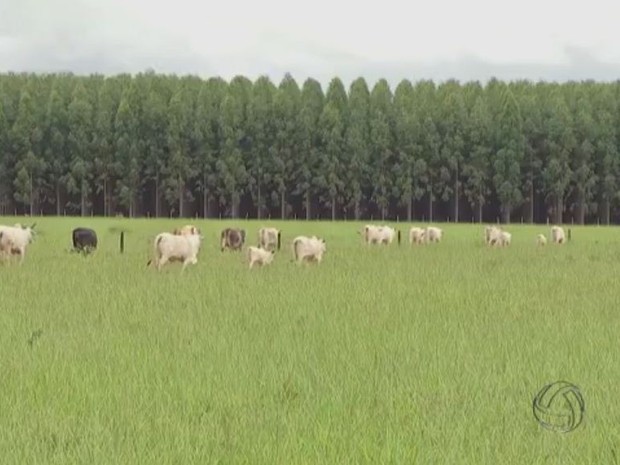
{"x":183,"y":146}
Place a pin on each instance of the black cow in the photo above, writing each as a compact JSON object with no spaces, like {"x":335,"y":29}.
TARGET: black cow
{"x":84,"y":240}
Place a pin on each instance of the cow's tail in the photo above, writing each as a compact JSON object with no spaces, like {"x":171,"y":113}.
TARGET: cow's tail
{"x":155,"y":252}
{"x":279,"y":239}
{"x":366,"y":234}
{"x":295,"y":251}
{"x":569,"y":234}
{"x":399,"y":237}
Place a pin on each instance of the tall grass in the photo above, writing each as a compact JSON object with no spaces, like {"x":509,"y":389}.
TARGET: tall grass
{"x":416,"y":355}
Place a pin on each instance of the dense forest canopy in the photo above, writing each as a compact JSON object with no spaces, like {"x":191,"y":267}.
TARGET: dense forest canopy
{"x":164,"y":145}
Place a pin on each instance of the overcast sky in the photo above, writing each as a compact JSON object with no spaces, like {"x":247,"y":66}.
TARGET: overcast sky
{"x":395,"y":39}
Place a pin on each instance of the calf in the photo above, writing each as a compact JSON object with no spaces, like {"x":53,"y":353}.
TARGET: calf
{"x":259,"y":256}
{"x":541,"y":240}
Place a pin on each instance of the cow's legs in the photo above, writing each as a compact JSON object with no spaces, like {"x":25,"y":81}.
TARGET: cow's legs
{"x":161,"y":262}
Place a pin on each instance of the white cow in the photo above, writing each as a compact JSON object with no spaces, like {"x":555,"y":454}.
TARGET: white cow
{"x":380,"y":234}
{"x":490,"y":232}
{"x":499,"y":237}
{"x":541,"y":240}
{"x":416,"y":235}
{"x":269,"y":238}
{"x":186,"y":230}
{"x":493,"y":235}
{"x":15,"y":239}
{"x":260,"y":256}
{"x":176,"y":248}
{"x":433,"y":234}
{"x":505,"y":238}
{"x":557,"y":235}
{"x":309,"y":249}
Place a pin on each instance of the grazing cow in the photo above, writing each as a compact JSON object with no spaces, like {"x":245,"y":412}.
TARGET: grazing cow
{"x":557,"y":235}
{"x":84,"y":239}
{"x":310,"y":249}
{"x":490,"y":232}
{"x":416,"y":235}
{"x":433,"y":234}
{"x":15,"y":239}
{"x":497,"y":236}
{"x":175,"y":248}
{"x":186,"y":230}
{"x":380,"y":234}
{"x":505,"y":238}
{"x":269,"y":238}
{"x":232,"y":239}
{"x":260,"y":256}
{"x":493,"y":235}
{"x":541,"y":240}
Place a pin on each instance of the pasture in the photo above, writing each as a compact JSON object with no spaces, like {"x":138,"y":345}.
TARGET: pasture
{"x":416,"y":355}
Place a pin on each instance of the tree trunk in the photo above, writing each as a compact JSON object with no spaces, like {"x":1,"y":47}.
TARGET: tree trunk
{"x":558,"y":210}
{"x":456,"y":196}
{"x":83,"y":200}
{"x":157,"y":195}
{"x":180,"y":197}
{"x":356,"y":210}
{"x":430,"y":207}
{"x":31,"y":196}
{"x":258,"y":203}
{"x":282,"y":204}
{"x":530,"y":218}
{"x":581,"y":210}
{"x":410,"y":208}
{"x":308,"y":205}
{"x":234,"y":206}
{"x":105,"y":197}
{"x":333,"y":201}
{"x":606,"y":211}
{"x":506,"y":214}
{"x":205,"y":197}
{"x":58,"y":199}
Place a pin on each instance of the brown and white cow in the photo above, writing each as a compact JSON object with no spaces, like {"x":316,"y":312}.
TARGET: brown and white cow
{"x":232,"y":238}
{"x":269,"y":238}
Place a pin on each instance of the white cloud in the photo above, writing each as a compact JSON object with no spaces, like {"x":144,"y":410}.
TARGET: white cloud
{"x":323,"y":38}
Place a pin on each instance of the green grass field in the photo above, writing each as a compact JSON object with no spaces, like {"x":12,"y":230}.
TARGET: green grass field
{"x":405,"y":355}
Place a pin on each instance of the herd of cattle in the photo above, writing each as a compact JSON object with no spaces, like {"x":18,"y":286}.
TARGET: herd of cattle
{"x":183,"y":244}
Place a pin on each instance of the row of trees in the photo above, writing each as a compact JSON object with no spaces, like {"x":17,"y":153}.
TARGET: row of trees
{"x":162,"y":145}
